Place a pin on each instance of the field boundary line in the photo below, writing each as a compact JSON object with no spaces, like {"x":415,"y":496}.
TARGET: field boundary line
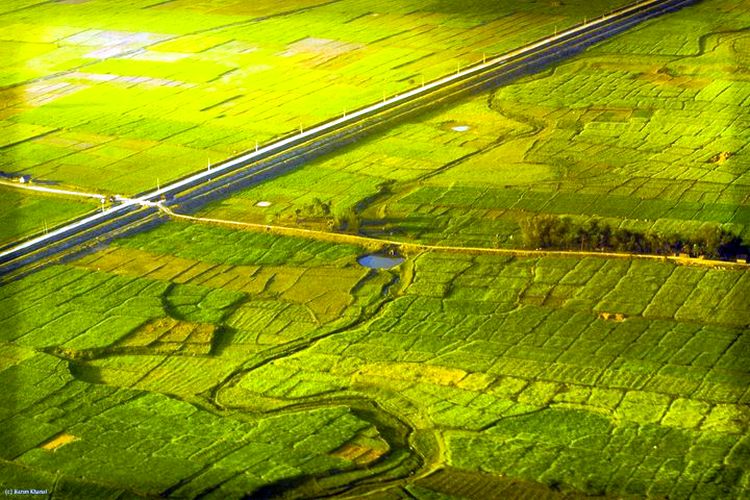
{"x":375,"y":243}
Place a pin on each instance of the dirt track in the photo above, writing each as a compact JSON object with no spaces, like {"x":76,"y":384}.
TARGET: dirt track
{"x":406,"y":247}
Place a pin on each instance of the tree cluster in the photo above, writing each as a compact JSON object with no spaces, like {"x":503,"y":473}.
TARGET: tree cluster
{"x":346,"y":219}
{"x":316,"y":209}
{"x":549,"y":231}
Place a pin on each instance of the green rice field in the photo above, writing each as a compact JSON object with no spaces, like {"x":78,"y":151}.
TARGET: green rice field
{"x":119,"y":98}
{"x":23,"y":212}
{"x":198,"y":359}
{"x":276,"y":365}
{"x":112,"y":97}
{"x":633,"y":132}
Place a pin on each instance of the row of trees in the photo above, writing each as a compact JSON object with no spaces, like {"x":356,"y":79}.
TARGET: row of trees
{"x":549,"y":231}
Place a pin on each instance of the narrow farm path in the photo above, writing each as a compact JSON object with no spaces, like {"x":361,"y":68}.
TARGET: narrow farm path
{"x":61,"y":192}
{"x":407,"y":247}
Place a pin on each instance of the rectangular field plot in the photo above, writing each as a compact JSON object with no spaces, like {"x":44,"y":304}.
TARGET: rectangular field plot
{"x":23,"y":212}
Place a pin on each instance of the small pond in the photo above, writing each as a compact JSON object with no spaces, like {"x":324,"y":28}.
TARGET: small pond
{"x":378,"y":261}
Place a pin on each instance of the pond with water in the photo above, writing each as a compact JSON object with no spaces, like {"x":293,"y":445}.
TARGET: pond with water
{"x":379,"y":261}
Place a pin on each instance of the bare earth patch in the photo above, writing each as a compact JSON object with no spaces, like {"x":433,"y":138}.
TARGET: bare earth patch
{"x":59,"y":441}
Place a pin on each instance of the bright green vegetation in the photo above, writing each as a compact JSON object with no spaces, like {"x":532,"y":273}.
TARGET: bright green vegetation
{"x":199,"y":360}
{"x":146,"y":443}
{"x":123,"y":361}
{"x":648,"y":131}
{"x":587,"y":375}
{"x":113,"y":97}
{"x":629,"y":134}
{"x":23,"y":212}
{"x":367,"y":172}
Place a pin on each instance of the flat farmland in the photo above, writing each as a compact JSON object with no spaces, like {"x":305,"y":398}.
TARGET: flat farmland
{"x":634,"y":131}
{"x":248,"y":363}
{"x":203,"y":359}
{"x":646,"y":131}
{"x":23,"y":212}
{"x":119,"y":96}
{"x":118,"y":99}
